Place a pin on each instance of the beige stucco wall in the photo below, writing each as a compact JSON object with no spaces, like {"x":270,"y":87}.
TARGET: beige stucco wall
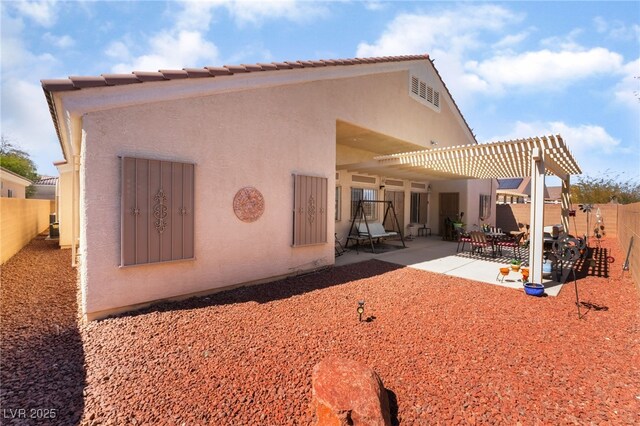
{"x":65,"y":205}
{"x":22,"y":219}
{"x":258,"y":138}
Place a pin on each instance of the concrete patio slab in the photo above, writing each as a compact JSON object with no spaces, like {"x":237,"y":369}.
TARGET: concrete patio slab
{"x":435,"y":255}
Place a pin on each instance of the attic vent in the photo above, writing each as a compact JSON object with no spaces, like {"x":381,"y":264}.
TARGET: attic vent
{"x":426,"y":94}
{"x":414,"y":85}
{"x":393,"y":182}
{"x":363,"y":179}
{"x":418,"y":185}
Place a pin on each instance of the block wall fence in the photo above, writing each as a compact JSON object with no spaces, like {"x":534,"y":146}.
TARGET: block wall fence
{"x":21,"y":220}
{"x":628,"y":231}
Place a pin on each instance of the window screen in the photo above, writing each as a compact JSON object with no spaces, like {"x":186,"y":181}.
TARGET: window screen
{"x":309,"y":210}
{"x":370,"y":209}
{"x":419,"y":207}
{"x":157,"y":211}
{"x":485,"y":207}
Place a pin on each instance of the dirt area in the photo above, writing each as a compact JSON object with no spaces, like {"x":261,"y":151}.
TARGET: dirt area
{"x":450,"y":351}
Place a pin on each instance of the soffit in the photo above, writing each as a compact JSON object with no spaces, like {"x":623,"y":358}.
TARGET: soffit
{"x":368,"y":140}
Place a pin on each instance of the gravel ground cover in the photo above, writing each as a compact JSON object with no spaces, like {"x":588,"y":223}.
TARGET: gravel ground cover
{"x":41,"y":355}
{"x":450,"y":351}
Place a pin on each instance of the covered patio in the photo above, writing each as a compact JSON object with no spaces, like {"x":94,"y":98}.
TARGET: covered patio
{"x":535,"y":157}
{"x":435,"y":255}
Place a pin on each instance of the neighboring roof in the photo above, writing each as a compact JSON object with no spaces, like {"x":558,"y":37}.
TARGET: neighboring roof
{"x":47,"y":180}
{"x":492,"y":160}
{"x":14,"y":176}
{"x":72,"y":83}
{"x":553,"y":193}
{"x":509,"y":183}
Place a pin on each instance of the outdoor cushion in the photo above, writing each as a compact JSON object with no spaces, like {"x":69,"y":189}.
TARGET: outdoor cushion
{"x":376,"y":229}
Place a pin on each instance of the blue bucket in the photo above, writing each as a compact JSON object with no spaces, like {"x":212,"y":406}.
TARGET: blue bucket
{"x":533,"y":289}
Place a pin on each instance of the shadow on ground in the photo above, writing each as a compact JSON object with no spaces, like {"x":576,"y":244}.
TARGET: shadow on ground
{"x":42,"y":374}
{"x":43,"y":379}
{"x":277,"y":290}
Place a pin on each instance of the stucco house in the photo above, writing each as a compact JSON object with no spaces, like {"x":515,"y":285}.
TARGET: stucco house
{"x":180,"y":182}
{"x":12,"y":184}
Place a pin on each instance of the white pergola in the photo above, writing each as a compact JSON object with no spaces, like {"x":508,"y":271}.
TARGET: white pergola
{"x":535,"y":157}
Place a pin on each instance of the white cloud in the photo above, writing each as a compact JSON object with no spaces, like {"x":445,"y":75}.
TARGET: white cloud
{"x":584,"y":138}
{"x":591,"y":145}
{"x":544,"y":68}
{"x":616,"y":30}
{"x":28,"y":106}
{"x":42,"y":12}
{"x":627,"y":91}
{"x":185,"y":45}
{"x":458,"y":30}
{"x":62,"y":42}
{"x":255,"y":12}
{"x":169,"y":50}
{"x":447,"y":36}
{"x":375,"y":5}
{"x":198,"y":15}
{"x":511,"y":40}
{"x":565,"y":42}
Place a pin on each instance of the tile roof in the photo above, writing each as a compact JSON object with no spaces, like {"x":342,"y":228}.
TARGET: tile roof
{"x":81,"y":82}
{"x":136,"y":77}
{"x":46,"y":180}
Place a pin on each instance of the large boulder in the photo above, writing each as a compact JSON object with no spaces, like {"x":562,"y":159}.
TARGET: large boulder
{"x":347,"y":392}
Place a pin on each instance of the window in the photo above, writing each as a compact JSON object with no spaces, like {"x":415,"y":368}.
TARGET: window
{"x":309,"y":210}
{"x":9,"y":193}
{"x":370,"y":209}
{"x":485,"y":207}
{"x":157,"y":211}
{"x":419,"y":207}
{"x":338,"y":203}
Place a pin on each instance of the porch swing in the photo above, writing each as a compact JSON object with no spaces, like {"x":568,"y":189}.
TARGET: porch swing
{"x":368,"y":231}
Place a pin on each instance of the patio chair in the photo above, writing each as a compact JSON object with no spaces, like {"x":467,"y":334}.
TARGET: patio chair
{"x":513,"y":243}
{"x":463,"y":238}
{"x":479,"y":243}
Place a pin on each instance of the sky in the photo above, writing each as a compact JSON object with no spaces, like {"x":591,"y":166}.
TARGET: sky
{"x":515,"y":69}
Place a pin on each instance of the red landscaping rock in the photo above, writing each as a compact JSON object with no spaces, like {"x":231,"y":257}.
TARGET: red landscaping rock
{"x":453,"y":351}
{"x":347,"y":392}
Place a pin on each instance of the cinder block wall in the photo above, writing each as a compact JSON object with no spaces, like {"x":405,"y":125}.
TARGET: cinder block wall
{"x":628,"y":228}
{"x":509,"y":215}
{"x":21,"y":220}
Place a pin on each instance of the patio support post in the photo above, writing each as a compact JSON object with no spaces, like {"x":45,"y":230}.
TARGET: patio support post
{"x":565,"y":203}
{"x":536,"y":237}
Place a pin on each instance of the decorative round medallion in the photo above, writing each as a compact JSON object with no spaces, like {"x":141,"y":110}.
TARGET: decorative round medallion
{"x":248,"y":204}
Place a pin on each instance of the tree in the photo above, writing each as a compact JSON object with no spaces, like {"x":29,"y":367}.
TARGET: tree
{"x":18,"y":161}
{"x":605,"y":189}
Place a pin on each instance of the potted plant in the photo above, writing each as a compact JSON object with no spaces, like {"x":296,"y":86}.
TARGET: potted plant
{"x":515,"y":265}
{"x":457,"y":222}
